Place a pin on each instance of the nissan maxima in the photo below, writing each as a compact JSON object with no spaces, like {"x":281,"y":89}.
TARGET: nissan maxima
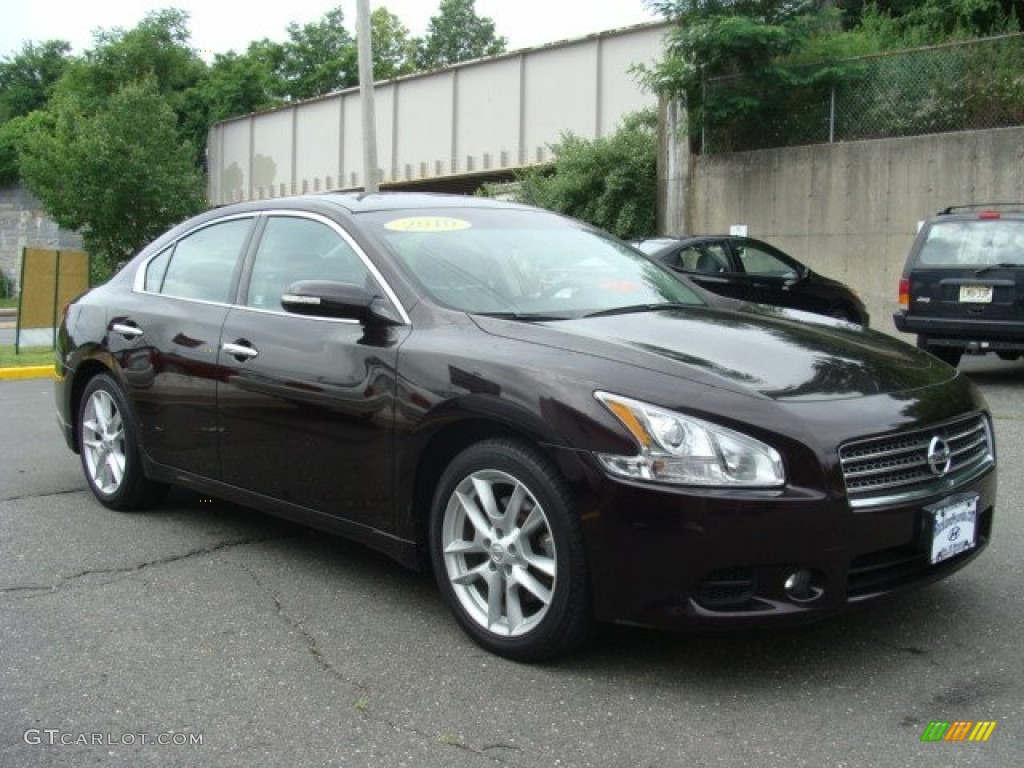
{"x":551,"y":422}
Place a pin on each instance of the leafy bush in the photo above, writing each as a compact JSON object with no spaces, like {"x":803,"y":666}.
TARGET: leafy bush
{"x":609,"y":182}
{"x":6,"y":286}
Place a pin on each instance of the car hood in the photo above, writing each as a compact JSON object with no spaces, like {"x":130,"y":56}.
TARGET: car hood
{"x":779,"y":355}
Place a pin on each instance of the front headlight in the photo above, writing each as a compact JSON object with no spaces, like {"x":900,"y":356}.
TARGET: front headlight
{"x":683,"y":450}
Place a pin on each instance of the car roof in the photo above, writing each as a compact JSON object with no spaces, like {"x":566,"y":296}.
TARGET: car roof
{"x":974,"y":210}
{"x":363,"y":202}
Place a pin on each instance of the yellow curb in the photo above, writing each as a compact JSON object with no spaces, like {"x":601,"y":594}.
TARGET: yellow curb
{"x":26,"y":372}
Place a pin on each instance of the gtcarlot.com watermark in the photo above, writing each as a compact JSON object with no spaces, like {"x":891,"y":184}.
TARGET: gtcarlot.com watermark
{"x":54,"y":737}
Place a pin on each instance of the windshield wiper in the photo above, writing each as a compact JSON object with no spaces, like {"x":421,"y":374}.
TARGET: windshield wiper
{"x":639,"y":308}
{"x":1000,"y":265}
{"x":525,"y":316}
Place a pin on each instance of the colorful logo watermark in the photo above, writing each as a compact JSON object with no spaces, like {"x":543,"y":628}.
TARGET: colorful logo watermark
{"x":958,"y":730}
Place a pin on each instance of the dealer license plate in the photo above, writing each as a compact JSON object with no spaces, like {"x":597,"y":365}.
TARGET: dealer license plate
{"x":953,"y":527}
{"x":975,"y":294}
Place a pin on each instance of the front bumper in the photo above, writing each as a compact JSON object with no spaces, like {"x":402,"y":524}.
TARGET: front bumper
{"x":691,"y":559}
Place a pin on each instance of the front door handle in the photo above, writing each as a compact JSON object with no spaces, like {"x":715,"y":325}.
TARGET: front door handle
{"x":241,"y":350}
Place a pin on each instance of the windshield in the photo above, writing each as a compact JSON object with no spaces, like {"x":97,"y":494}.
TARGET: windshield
{"x":974,"y":243}
{"x":521,"y":263}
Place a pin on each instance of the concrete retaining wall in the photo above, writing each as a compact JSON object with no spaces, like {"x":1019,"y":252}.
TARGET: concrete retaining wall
{"x":850,"y":211}
{"x":23,"y":223}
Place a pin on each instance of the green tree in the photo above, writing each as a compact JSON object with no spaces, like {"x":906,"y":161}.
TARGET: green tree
{"x":158,"y":49}
{"x":900,"y":24}
{"x":937,"y":19}
{"x":394,"y":49}
{"x":319,"y":58}
{"x":713,"y":38}
{"x":12,"y":134}
{"x":609,"y":182}
{"x":772,"y":102}
{"x":457,"y":34}
{"x":237,"y":84}
{"x":120,"y":174}
{"x":27,"y":78}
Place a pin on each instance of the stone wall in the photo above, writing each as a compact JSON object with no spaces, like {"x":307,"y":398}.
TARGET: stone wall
{"x":23,"y":223}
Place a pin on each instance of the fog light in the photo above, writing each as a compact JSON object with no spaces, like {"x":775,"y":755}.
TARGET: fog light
{"x":799,"y":586}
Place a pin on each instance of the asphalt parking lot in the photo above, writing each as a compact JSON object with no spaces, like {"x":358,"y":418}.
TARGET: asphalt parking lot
{"x":205,"y":634}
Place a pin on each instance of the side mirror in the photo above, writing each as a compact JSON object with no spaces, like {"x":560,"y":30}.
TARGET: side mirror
{"x":324,"y":298}
{"x":798,"y":275}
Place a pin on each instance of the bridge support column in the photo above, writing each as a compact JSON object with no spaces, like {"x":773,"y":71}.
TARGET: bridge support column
{"x":675,"y":169}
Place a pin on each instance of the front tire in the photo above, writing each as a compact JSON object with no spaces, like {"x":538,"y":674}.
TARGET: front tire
{"x":840,"y":312}
{"x":109,"y":449}
{"x":508,"y":552}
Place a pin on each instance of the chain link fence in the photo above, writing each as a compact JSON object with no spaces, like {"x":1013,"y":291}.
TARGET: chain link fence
{"x":953,"y":87}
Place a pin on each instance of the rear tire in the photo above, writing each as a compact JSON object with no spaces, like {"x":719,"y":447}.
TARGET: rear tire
{"x":508,"y":553}
{"x":108,"y":446}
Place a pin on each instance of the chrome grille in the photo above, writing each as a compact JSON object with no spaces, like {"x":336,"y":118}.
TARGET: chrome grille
{"x":895,"y":468}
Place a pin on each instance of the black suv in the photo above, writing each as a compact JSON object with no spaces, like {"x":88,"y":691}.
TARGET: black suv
{"x":962,"y":287}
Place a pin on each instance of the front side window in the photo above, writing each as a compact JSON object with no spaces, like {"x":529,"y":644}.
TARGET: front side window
{"x":757,"y":261}
{"x":293,"y":249}
{"x":202,"y":264}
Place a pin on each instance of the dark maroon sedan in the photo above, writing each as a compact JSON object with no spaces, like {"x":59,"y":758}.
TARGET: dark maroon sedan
{"x":559,"y":428}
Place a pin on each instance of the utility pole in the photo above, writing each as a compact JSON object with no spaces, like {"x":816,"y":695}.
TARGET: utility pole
{"x":366,"y":95}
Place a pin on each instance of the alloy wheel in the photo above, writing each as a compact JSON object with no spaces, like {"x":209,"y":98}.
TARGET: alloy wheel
{"x":103,"y":443}
{"x":499,"y":553}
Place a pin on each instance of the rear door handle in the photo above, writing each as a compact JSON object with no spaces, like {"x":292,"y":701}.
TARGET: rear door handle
{"x":128,"y":331}
{"x":241,"y":350}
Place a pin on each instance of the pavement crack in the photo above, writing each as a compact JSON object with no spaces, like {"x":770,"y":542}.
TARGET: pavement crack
{"x":42,"y":495}
{"x":31,"y":590}
{"x":307,"y":636}
{"x":491,"y":752}
{"x":363,"y":691}
{"x":911,"y":650}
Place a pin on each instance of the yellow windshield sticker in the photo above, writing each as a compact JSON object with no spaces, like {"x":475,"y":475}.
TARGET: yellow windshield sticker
{"x":427,"y":224}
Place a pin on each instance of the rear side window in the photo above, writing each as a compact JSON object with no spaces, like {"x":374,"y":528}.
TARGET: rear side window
{"x":706,"y":257}
{"x":156,"y":269}
{"x":202,"y":265}
{"x":976,"y":242}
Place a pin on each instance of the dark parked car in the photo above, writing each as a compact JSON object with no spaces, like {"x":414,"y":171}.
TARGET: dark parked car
{"x":557,"y":426}
{"x":962,"y":287}
{"x":751,"y":270}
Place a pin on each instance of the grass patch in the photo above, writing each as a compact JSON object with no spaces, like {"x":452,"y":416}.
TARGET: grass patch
{"x":6,"y":303}
{"x":27,"y":356}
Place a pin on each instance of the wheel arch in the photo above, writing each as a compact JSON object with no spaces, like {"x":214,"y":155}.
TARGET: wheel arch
{"x":439,"y":450}
{"x":85,"y":372}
